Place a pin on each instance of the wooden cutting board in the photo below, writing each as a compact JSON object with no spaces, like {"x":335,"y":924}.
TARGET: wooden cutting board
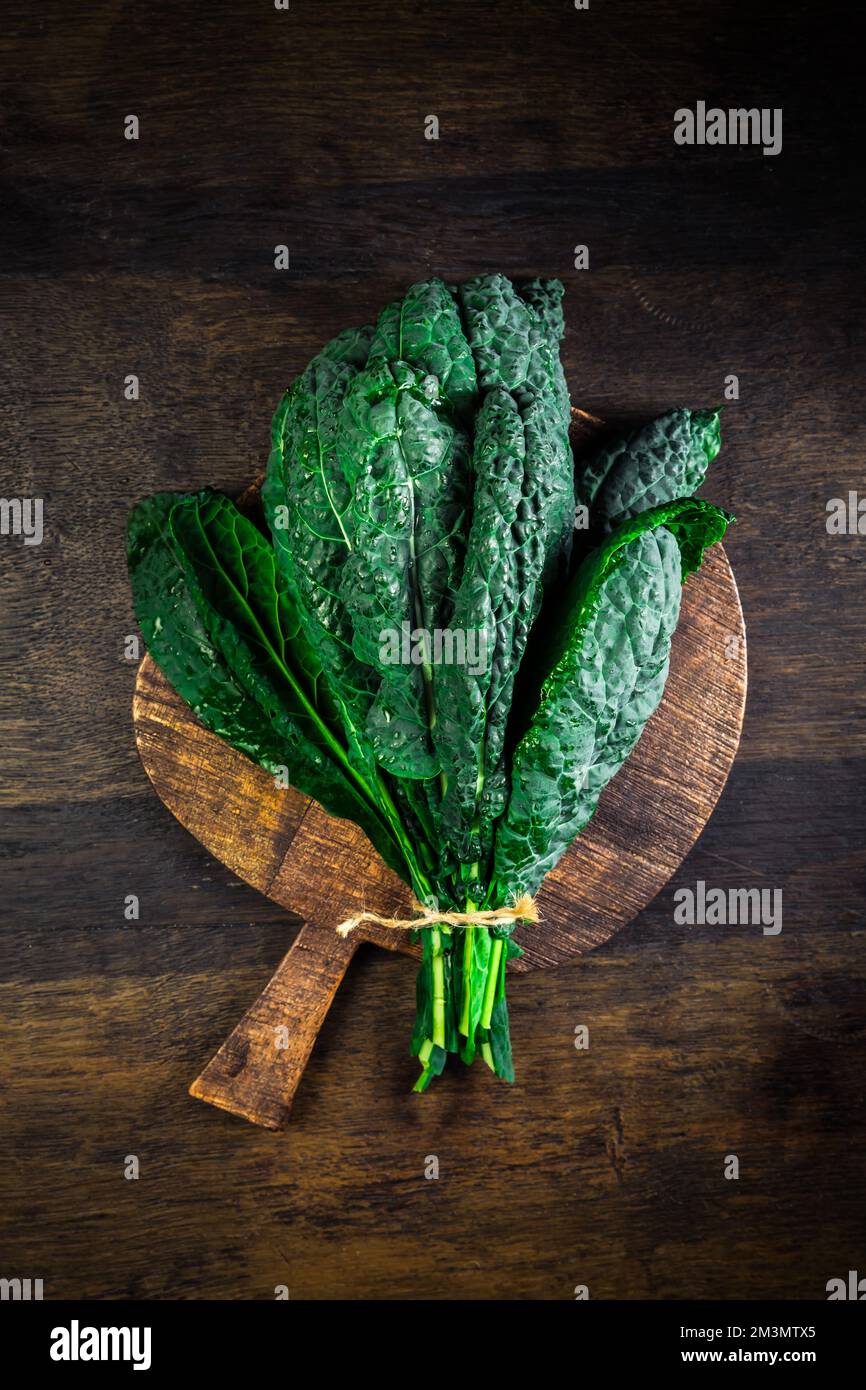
{"x":323,"y":870}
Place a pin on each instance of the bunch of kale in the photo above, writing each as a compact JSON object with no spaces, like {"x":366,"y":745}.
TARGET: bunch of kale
{"x":421,"y":638}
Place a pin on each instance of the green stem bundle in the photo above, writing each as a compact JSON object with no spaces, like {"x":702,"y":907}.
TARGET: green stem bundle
{"x":461,"y":999}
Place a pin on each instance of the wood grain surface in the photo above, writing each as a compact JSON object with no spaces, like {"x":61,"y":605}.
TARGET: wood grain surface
{"x":156,"y":258}
{"x":325,"y":870}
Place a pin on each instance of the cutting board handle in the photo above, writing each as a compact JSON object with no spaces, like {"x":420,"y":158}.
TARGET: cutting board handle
{"x":257,"y":1070}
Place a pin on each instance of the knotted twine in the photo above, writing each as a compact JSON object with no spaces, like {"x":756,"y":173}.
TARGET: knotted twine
{"x":523,"y":910}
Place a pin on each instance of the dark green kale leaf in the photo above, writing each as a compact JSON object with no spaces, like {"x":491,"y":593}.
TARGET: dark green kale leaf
{"x":545,"y":297}
{"x":179,"y":642}
{"x":605,"y":674}
{"x":352,"y":346}
{"x":306,"y":503}
{"x":496,"y":603}
{"x":424,"y":330}
{"x":517,"y":349}
{"x":407,"y":468}
{"x":661,"y":461}
{"x":499,"y":326}
{"x":218,"y":618}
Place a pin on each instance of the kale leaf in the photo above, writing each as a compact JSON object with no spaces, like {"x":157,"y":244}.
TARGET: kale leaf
{"x":407,"y":467}
{"x":218,"y":618}
{"x":605,"y":675}
{"x":424,"y":330}
{"x":661,"y":461}
{"x":495,"y":606}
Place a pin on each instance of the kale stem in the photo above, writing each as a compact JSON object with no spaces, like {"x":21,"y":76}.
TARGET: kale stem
{"x":487,"y":1054}
{"x":467,"y":979}
{"x":420,"y":882}
{"x":438,"y":971}
{"x":468,"y":957}
{"x":424,"y":1051}
{"x":492,"y":982}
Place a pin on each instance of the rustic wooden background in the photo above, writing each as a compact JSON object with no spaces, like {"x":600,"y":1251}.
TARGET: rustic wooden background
{"x":155,"y":257}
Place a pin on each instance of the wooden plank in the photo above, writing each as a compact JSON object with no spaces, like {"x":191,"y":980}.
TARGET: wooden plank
{"x":603,"y":1167}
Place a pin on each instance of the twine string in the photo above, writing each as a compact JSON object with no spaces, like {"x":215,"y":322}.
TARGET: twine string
{"x":522,"y":910}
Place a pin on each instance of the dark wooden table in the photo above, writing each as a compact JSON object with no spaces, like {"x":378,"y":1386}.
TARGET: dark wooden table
{"x":156,"y":258}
